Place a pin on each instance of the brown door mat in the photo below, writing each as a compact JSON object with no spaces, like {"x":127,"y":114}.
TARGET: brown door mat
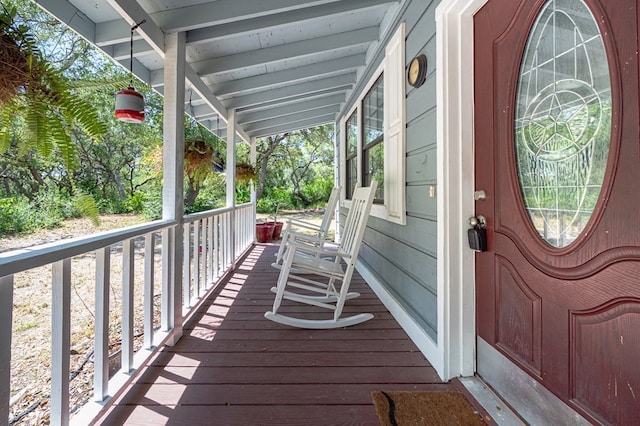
{"x":425,"y":408}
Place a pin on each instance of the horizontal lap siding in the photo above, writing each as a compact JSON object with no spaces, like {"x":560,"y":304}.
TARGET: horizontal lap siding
{"x":404,"y":258}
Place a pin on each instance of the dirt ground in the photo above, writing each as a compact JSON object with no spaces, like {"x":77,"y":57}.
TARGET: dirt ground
{"x":31,"y":342}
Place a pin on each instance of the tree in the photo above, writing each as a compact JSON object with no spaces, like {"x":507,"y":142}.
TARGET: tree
{"x":304,"y":149}
{"x":265,"y":148}
{"x":39,"y":109}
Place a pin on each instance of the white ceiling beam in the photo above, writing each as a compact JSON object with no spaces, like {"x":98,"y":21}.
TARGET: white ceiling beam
{"x":133,"y":14}
{"x":69,"y":15}
{"x":223,"y":11}
{"x":291,"y":118}
{"x":156,"y":78}
{"x":286,"y":51}
{"x":122,"y":51}
{"x":289,"y":76}
{"x":113,"y":32}
{"x":339,"y":83}
{"x":281,"y":110}
{"x":200,"y":112}
{"x":247,"y":26}
{"x":139,"y":70}
{"x":342,"y":90}
{"x":290,"y":127}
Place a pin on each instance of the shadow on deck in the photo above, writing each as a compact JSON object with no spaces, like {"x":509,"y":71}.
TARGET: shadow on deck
{"x":233,"y":366}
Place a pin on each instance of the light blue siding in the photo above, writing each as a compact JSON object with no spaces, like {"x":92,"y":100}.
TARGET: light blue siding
{"x":404,"y":258}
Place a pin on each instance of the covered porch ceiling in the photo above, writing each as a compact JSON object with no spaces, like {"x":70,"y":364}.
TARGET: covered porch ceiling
{"x":282,"y":65}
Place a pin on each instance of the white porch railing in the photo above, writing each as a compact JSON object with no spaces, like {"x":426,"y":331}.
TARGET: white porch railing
{"x":212,"y":241}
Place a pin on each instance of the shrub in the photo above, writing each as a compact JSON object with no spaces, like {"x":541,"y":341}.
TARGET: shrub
{"x":15,"y":215}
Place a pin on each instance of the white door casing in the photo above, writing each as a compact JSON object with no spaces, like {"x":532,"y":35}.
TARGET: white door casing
{"x":455,"y":159}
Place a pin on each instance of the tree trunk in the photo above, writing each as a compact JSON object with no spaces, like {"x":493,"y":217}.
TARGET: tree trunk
{"x":272,"y":143}
{"x":192,"y":194}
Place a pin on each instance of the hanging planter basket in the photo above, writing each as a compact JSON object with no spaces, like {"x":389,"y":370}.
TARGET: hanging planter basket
{"x":129,"y":106}
{"x":15,"y":69}
{"x":245,"y":173}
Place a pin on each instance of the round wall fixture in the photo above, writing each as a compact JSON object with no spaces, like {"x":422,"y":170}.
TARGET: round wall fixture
{"x":417,"y":72}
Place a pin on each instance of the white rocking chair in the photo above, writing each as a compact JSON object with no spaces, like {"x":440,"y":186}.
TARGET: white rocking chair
{"x":315,"y":234}
{"x":329,"y":286}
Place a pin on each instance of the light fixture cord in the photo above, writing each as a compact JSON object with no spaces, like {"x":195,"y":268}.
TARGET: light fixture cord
{"x":135,"y":27}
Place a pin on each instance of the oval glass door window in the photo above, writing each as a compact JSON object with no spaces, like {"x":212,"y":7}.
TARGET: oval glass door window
{"x":562,"y":120}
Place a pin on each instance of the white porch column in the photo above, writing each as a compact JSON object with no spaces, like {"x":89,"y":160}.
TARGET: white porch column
{"x":173,"y":178}
{"x":231,"y":181}
{"x":253,"y":153}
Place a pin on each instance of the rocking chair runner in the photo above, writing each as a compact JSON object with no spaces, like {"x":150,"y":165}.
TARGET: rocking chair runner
{"x":329,"y":286}
{"x":293,"y":229}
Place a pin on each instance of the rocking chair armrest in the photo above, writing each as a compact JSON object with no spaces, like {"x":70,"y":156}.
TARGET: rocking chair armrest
{"x":294,"y":245}
{"x":302,"y":224}
{"x":299,"y":236}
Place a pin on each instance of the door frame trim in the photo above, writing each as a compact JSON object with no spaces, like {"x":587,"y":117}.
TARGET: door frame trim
{"x":455,"y":174}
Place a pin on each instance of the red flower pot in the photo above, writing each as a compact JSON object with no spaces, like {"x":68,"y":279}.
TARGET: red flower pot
{"x":264,"y":232}
{"x":277,"y":231}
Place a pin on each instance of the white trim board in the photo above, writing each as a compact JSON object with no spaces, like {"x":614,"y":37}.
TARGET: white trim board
{"x":455,"y":159}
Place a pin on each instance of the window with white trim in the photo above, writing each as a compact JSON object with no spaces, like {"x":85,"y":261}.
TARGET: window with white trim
{"x":351,"y":154}
{"x":373,"y":138}
{"x":373,"y":132}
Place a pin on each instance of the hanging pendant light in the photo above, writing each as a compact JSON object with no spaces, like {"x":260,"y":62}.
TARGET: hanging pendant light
{"x":130,"y":103}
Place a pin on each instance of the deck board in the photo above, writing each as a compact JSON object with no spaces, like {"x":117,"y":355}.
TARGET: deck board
{"x":233,"y":366}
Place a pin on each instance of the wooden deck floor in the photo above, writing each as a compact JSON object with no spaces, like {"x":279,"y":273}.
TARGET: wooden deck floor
{"x":233,"y":366}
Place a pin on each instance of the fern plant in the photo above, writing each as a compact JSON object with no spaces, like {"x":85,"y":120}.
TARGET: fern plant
{"x":38,"y":107}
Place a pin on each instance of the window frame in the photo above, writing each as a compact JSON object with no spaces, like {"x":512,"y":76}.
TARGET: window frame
{"x":367,"y":147}
{"x":392,"y":69}
{"x":348,"y":188}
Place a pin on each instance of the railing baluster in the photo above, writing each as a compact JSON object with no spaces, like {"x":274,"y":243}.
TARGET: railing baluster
{"x":212,"y":274}
{"x":6,"y":328}
{"x":127,"y":305}
{"x":227,"y":240}
{"x":196,"y":258}
{"x":186,"y":266}
{"x":101,"y":345}
{"x":216,"y":247}
{"x":149,"y":274}
{"x":213,"y":253}
{"x":203,"y":254}
{"x":60,"y":340}
{"x":165,"y":312}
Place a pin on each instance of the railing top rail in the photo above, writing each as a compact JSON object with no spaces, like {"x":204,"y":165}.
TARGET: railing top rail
{"x":20,"y":260}
{"x":201,"y":215}
{"x":15,"y":261}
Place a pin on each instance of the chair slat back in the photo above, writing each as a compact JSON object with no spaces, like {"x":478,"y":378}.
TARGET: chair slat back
{"x":356,"y":220}
{"x":330,"y":211}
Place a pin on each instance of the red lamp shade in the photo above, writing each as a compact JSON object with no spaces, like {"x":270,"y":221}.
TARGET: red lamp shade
{"x":129,"y":106}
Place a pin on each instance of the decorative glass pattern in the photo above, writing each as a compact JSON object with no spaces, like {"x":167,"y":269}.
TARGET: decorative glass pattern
{"x":563,"y":120}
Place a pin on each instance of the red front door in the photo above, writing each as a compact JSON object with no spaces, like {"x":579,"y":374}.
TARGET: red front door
{"x":557,"y":152}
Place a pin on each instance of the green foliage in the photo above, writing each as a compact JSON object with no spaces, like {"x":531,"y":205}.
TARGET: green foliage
{"x":48,"y":209}
{"x":152,"y":206}
{"x":64,"y":154}
{"x":44,"y":103}
{"x":87,"y":206}
{"x":15,"y":215}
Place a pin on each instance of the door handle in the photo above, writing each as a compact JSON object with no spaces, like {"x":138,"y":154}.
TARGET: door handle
{"x":479,"y":220}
